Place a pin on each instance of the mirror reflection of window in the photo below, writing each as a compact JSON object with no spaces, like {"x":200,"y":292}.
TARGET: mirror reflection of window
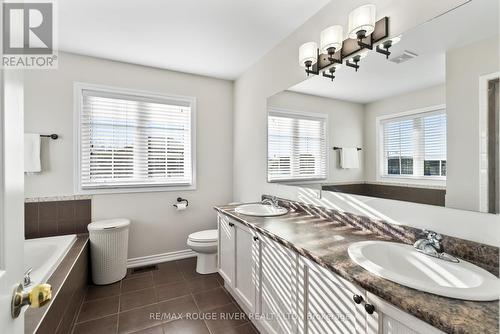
{"x":414,"y":145}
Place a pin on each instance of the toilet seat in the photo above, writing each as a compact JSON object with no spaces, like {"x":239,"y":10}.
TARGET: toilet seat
{"x":206,"y":236}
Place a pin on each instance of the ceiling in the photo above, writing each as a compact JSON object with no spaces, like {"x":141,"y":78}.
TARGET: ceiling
{"x":378,"y":78}
{"x":218,"y":38}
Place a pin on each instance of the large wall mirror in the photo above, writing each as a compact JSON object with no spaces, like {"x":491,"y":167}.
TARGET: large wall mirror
{"x":421,"y":126}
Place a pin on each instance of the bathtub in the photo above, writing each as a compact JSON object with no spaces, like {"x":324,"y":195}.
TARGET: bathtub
{"x":45,"y":254}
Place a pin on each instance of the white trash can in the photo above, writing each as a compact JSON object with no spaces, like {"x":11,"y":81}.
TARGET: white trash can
{"x":108,"y":250}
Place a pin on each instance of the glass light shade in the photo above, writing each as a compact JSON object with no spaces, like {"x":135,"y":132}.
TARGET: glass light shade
{"x":362,"y":18}
{"x":332,"y":37}
{"x":396,"y":40}
{"x":308,"y":52}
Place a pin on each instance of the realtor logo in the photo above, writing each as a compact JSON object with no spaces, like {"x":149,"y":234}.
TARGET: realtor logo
{"x":28,"y":35}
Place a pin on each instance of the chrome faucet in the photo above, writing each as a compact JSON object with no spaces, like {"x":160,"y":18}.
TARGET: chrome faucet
{"x":431,"y":245}
{"x":271,"y":201}
{"x":27,"y":278}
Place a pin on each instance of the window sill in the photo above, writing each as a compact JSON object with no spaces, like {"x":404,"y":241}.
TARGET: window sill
{"x":298,"y":181}
{"x":129,"y":190}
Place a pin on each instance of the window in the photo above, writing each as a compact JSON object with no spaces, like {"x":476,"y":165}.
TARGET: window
{"x":296,"y":146}
{"x":130,"y":139}
{"x":414,"y":145}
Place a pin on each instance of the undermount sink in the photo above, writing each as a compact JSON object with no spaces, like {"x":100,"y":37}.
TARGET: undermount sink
{"x":261,"y":210}
{"x":403,"y":264}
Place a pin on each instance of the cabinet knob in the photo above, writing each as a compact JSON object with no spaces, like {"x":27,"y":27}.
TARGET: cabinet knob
{"x":231,"y":224}
{"x":357,"y":299}
{"x":255,"y":238}
{"x":369,"y":308}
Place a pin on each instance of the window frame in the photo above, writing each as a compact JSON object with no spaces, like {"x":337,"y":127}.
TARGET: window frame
{"x":78,"y":88}
{"x":304,"y":114}
{"x":424,"y":180}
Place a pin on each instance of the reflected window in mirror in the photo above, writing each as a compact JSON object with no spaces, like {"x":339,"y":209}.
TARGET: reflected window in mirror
{"x":296,"y":146}
{"x":413,"y":145}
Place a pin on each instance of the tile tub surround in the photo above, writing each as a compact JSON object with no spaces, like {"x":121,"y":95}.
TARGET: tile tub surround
{"x":431,"y":196}
{"x":69,"y":283}
{"x":173,"y":288}
{"x":50,"y":218}
{"x":325,"y":240}
{"x":484,"y":256}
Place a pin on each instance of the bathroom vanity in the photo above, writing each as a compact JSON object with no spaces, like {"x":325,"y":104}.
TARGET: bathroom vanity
{"x":293,"y":274}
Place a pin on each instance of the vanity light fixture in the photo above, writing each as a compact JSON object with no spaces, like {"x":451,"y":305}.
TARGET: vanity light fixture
{"x":331,"y":42}
{"x":353,"y":62}
{"x":384,"y":47}
{"x":364,"y":33}
{"x":362,"y":24}
{"x":308,"y":56}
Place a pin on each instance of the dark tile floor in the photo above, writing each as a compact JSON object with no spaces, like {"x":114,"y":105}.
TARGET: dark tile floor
{"x":171,"y":299}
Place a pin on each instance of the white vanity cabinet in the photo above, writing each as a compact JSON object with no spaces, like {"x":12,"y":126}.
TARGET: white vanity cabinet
{"x":238,"y":259}
{"x":289,"y":294}
{"x":278,"y":292}
{"x":326,"y":304}
{"x":247,"y":253}
{"x":226,"y":248}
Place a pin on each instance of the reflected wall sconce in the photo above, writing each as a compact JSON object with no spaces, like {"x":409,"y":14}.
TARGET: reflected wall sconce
{"x":331,"y":71}
{"x":364,"y":33}
{"x":384,"y":47}
{"x":353,"y":62}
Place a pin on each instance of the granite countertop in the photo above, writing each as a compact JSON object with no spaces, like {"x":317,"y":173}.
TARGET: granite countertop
{"x":325,"y":241}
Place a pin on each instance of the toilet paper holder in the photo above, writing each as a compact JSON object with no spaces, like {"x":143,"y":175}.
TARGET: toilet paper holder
{"x":180,"y":200}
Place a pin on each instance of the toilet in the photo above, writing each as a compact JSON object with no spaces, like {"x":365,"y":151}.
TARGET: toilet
{"x":204,"y":244}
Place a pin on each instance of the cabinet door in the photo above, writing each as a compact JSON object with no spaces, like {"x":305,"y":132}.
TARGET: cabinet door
{"x":226,"y":249}
{"x":247,"y":259}
{"x":388,"y":319}
{"x":326,"y":304}
{"x":278,"y":293}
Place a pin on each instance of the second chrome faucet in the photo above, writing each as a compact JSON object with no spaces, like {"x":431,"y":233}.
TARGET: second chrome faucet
{"x":431,"y":245}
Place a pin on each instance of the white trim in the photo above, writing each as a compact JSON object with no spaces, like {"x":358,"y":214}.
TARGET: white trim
{"x":305,"y":114}
{"x":158,"y":258}
{"x":483,"y":140}
{"x":398,"y":179}
{"x":78,"y":87}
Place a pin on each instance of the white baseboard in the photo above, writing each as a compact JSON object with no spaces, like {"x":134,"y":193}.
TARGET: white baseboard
{"x":158,"y":258}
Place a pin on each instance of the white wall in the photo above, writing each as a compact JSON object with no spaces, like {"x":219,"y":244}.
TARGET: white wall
{"x":464,"y":66}
{"x":345,"y":127}
{"x":279,"y":70}
{"x":427,"y":97}
{"x":156,"y":227}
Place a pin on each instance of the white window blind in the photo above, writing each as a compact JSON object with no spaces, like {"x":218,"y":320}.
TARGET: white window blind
{"x":134,"y":141}
{"x":296,"y":146}
{"x":415,"y":145}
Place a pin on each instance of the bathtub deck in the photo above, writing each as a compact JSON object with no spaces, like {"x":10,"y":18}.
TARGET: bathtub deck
{"x":68,"y":282}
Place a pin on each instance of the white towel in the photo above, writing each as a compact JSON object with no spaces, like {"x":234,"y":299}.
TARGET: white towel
{"x":349,"y":157}
{"x":32,"y":153}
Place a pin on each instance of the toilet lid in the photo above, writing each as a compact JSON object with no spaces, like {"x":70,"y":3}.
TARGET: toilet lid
{"x":204,"y":236}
